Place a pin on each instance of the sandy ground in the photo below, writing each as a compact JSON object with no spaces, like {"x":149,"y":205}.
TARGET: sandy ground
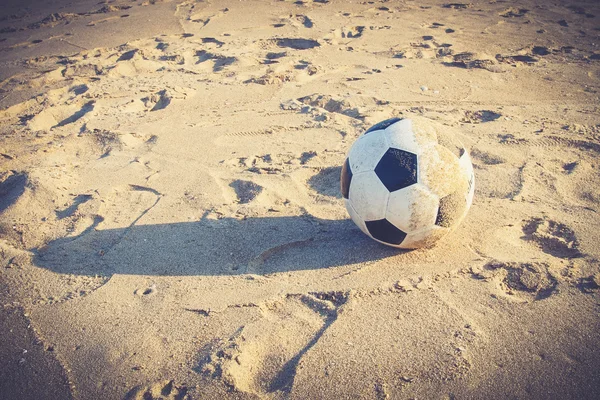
{"x":171,"y":222}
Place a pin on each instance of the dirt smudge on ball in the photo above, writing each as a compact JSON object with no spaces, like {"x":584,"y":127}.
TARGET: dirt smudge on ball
{"x":440,"y":171}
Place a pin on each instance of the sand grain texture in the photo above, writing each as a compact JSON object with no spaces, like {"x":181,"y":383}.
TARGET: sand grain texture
{"x":171,"y":224}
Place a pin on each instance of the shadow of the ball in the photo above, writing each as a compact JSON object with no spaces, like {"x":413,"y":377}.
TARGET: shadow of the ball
{"x":225,"y":246}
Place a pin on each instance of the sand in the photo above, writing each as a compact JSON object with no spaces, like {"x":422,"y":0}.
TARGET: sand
{"x":172,"y":226}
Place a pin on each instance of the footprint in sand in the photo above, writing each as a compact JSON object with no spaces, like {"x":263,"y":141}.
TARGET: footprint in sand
{"x":331,"y":104}
{"x":59,"y":116}
{"x":295,"y":20}
{"x":457,"y":6}
{"x":519,"y":59}
{"x":470,"y":60}
{"x":204,"y":20}
{"x":271,"y":163}
{"x":486,"y":158}
{"x":246,"y":191}
{"x":262,"y":358}
{"x":273,"y":57}
{"x":157,"y":101}
{"x":476,"y":117}
{"x":220,"y":61}
{"x":580,"y":11}
{"x":164,"y":390}
{"x":212,"y":40}
{"x":352,"y":32}
{"x":86,"y":249}
{"x":19,"y":193}
{"x":428,"y":47}
{"x":262,"y":164}
{"x":527,"y":281}
{"x":12,"y":186}
{"x":103,"y":141}
{"x":162,"y":99}
{"x":297,"y":43}
{"x":513,"y":12}
{"x":540,"y":50}
{"x":434,"y":25}
{"x":104,"y":20}
{"x":346,"y":32}
{"x":176,"y":59}
{"x":143,"y":292}
{"x":55,"y":19}
{"x":552,"y":237}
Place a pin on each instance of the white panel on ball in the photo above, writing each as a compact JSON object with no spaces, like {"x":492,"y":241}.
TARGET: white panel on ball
{"x":356,"y":218}
{"x":467,"y":167}
{"x":368,"y":196}
{"x":424,"y":238}
{"x":401,"y":136}
{"x":367,"y":151}
{"x":412,"y":208}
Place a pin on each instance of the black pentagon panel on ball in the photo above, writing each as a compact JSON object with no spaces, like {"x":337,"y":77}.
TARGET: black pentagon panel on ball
{"x":451,"y":209}
{"x":383,"y":124}
{"x":397,"y":169}
{"x":346,"y":178}
{"x":385,"y":231}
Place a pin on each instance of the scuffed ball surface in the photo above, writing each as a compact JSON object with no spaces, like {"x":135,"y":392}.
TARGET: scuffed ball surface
{"x":407,"y":182}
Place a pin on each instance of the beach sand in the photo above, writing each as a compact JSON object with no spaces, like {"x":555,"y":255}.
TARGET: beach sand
{"x":172,"y":225}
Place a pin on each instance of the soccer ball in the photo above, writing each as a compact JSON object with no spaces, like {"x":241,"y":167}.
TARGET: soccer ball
{"x":407,"y":182}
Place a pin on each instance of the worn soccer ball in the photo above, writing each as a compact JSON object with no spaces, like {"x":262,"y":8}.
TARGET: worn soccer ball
{"x":407,"y":182}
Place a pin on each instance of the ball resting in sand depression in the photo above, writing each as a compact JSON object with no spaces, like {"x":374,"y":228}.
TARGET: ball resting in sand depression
{"x":407,"y":182}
